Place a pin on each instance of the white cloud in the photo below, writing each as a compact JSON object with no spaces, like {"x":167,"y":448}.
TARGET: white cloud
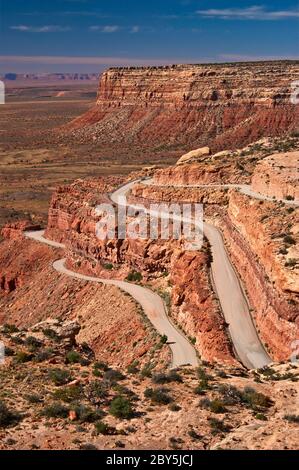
{"x":135,"y":29}
{"x":41,"y":29}
{"x":249,"y":13}
{"x":105,"y":29}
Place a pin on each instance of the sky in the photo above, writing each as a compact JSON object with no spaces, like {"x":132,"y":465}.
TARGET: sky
{"x":90,"y":35}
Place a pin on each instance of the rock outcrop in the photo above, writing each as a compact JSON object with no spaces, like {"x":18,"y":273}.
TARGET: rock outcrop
{"x":265,"y":253}
{"x":278,"y":176}
{"x":194,"y":155}
{"x":222,"y":105}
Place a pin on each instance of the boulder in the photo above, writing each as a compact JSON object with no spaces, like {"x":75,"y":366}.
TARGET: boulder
{"x":194,"y":155}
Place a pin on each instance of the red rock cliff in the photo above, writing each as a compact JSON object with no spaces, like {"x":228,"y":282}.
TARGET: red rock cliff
{"x":222,"y":105}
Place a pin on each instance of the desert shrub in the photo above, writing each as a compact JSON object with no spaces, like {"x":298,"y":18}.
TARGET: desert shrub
{"x":32,"y":343}
{"x":97,"y":390}
{"x":174,"y":407}
{"x":34,"y":399}
{"x":159,"y":396}
{"x":68,"y":394}
{"x":216,"y":406}
{"x":9,"y":352}
{"x":22,"y":357}
{"x":56,"y":410}
{"x":292,"y":418}
{"x":8,"y":417}
{"x":86,"y":414}
{"x":193,"y":434}
{"x":147,"y":370}
{"x":218,"y":426}
{"x":88,"y":447}
{"x":101,"y":366}
{"x":230,"y":395}
{"x":134,"y":276}
{"x":289,"y":240}
{"x":73,"y":357}
{"x":43,"y":355}
{"x":222,"y":374}
{"x":290,"y":198}
{"x":261,"y":417}
{"x":51,"y":334}
{"x":104,"y":429}
{"x":163,"y":339}
{"x":255,"y":400}
{"x":291,"y":263}
{"x":60,"y":376}
{"x":133,"y":368}
{"x":108,"y":266}
{"x":121,"y":407}
{"x":113,"y":376}
{"x":203,"y":375}
{"x":163,"y":378}
{"x":9,"y":329}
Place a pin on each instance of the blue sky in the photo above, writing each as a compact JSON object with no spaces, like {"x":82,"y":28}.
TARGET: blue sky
{"x":89,"y":35}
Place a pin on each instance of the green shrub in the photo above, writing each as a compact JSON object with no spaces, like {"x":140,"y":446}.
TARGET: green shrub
{"x":86,"y":414}
{"x":147,"y":370}
{"x":73,"y":357}
{"x":162,"y":378}
{"x":133,"y":368}
{"x":68,"y":394}
{"x":218,"y":426}
{"x":159,"y":396}
{"x":98,"y":389}
{"x":289,"y":240}
{"x":43,"y":355}
{"x":174,"y":407}
{"x":22,"y":357}
{"x":8,"y":417}
{"x":9,"y":329}
{"x":60,"y":376}
{"x":121,"y":407}
{"x":255,"y":400}
{"x":51,"y":334}
{"x":164,"y":339}
{"x":292,"y":418}
{"x":216,"y":406}
{"x":113,"y":376}
{"x":56,"y":410}
{"x":104,"y":429}
{"x":108,"y":266}
{"x":33,"y":343}
{"x":34,"y":399}
{"x":261,"y":417}
{"x":134,"y":276}
{"x":101,"y":366}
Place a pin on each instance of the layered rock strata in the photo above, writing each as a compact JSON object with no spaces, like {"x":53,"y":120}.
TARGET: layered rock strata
{"x":222,"y":105}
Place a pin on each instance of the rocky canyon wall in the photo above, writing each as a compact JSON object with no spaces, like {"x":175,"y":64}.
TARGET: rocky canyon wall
{"x":256,"y":233}
{"x":223,"y":105}
{"x":195,"y":308}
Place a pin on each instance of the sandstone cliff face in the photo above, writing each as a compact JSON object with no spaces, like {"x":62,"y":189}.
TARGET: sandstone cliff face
{"x":170,"y":194}
{"x":195,"y":308}
{"x":219,"y":105}
{"x":278,"y":176}
{"x":256,"y":236}
{"x":111,"y":322}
